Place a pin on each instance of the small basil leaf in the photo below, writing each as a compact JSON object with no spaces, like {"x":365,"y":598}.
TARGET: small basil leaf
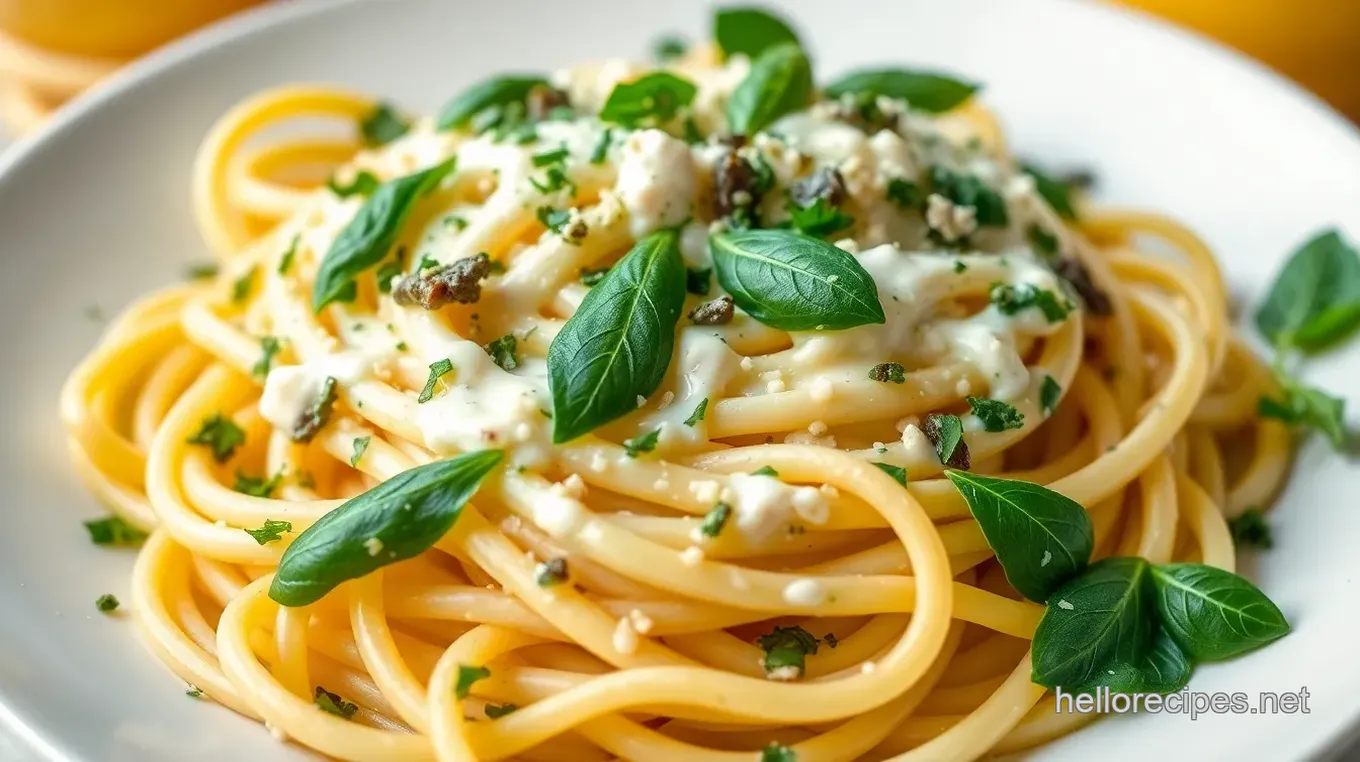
{"x":655,"y":98}
{"x":780,"y":82}
{"x":1308,"y":406}
{"x":1041,"y":538}
{"x":1165,"y":668}
{"x":924,"y":91}
{"x":497,"y":91}
{"x":383,"y":125}
{"x":398,"y":519}
{"x":1214,"y":614}
{"x":1094,"y":623}
{"x":1315,"y":300}
{"x":366,"y":239}
{"x":1055,"y":192}
{"x":749,"y":31}
{"x":794,"y":282}
{"x":898,"y":473}
{"x":617,"y":345}
{"x":969,"y":190}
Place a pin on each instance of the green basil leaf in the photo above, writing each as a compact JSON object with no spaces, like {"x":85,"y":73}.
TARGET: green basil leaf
{"x":1165,"y":668}
{"x":1315,"y":300}
{"x":1307,"y":406}
{"x":383,"y":125}
{"x":398,"y":519}
{"x":898,"y":473}
{"x":819,"y":219}
{"x":366,"y":239}
{"x":617,"y":345}
{"x":1251,"y":530}
{"x":653,"y":99}
{"x":1056,"y":192}
{"x":497,"y":91}
{"x":1093,"y":623}
{"x":1041,"y":538}
{"x":995,"y":414}
{"x":969,"y":190}
{"x":700,"y":410}
{"x":749,"y":31}
{"x":363,"y":184}
{"x":794,"y":282}
{"x":780,"y":82}
{"x":1214,"y":614}
{"x":114,"y":530}
{"x":924,"y":91}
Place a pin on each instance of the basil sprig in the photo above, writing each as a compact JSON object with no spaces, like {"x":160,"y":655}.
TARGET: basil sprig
{"x":749,"y":31}
{"x":1041,"y":538}
{"x":653,"y":99}
{"x":1313,"y":305}
{"x":497,"y":91}
{"x":926,"y":91}
{"x":794,"y":282}
{"x":780,"y":82}
{"x":398,"y":519}
{"x":1120,"y":623}
{"x":617,"y":345}
{"x":367,"y":238}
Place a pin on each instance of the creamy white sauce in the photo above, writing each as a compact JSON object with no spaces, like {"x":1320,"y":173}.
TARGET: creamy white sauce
{"x":656,"y":181}
{"x":762,"y":506}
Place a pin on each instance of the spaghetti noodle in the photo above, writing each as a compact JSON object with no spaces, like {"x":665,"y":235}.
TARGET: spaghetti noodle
{"x":583,"y":606}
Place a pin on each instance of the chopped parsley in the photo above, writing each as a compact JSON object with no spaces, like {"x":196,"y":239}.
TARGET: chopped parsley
{"x":315,"y":417}
{"x":221,"y":434}
{"x":286,"y":261}
{"x":332,"y":703}
{"x":387,"y":272}
{"x":830,"y":640}
{"x":551,"y":572}
{"x":888,"y":372}
{"x":715,"y":520}
{"x":106,"y":603}
{"x":1012,"y":299}
{"x":700,"y":411}
{"x":270,"y":531}
{"x":240,"y":290}
{"x":194,"y":692}
{"x":819,"y":219}
{"x":502,"y":352}
{"x":459,"y":224}
{"x":996,"y":415}
{"x":699,"y":280}
{"x":777,"y":753}
{"x":640,"y":444}
{"x":1044,"y":242}
{"x":497,"y":711}
{"x":669,"y":48}
{"x":765,"y":471}
{"x":601,"y":149}
{"x":269,"y":346}
{"x":969,"y":190}
{"x":202,"y":272}
{"x":1049,"y":395}
{"x":360,"y":447}
{"x":256,"y":486}
{"x":959,"y":266}
{"x":786,"y":651}
{"x":905,"y":194}
{"x":555,"y":180}
{"x":898,"y":473}
{"x":945,"y":432}
{"x":114,"y":530}
{"x":548,"y":158}
{"x":438,"y":370}
{"x":554,"y":219}
{"x":383,"y":125}
{"x":1251,"y":530}
{"x":466,"y":677}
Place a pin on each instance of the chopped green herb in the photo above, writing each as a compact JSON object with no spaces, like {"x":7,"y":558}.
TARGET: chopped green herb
{"x":1044,"y":242}
{"x":1049,"y":395}
{"x":438,"y":370}
{"x":1012,"y":299}
{"x":653,"y":99}
{"x":819,"y":219}
{"x":466,"y":677}
{"x":786,"y":651}
{"x":896,"y":472}
{"x":669,"y":48}
{"x":969,"y":190}
{"x":497,"y":711}
{"x":765,"y":471}
{"x":270,"y":531}
{"x":906,"y":194}
{"x":888,"y":372}
{"x":1309,"y":407}
{"x":945,"y":433}
{"x":106,"y":603}
{"x":221,"y":434}
{"x":1251,"y":530}
{"x":601,"y":148}
{"x":552,"y":572}
{"x":555,"y":180}
{"x":315,"y":417}
{"x":1057,"y":193}
{"x":693,"y":135}
{"x":363,"y":184}
{"x":959,"y":266}
{"x":554,"y":156}
{"x":502,"y":352}
{"x":360,"y":447}
{"x":640,"y":444}
{"x":830,"y":640}
{"x":269,"y":346}
{"x":240,"y":290}
{"x":454,"y":221}
{"x":776,"y":753}
{"x":388,"y":272}
{"x":114,"y":530}
{"x":554,"y":219}
{"x":715,"y":520}
{"x":996,"y":415}
{"x":699,"y":280}
{"x":749,"y":31}
{"x":202,"y":272}
{"x":194,"y":692}
{"x":700,"y":411}
{"x":383,"y":125}
{"x":286,"y":261}
{"x":256,"y":486}
{"x":332,"y":703}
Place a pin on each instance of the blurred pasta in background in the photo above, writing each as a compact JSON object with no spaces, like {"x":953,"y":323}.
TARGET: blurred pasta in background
{"x":51,"y":50}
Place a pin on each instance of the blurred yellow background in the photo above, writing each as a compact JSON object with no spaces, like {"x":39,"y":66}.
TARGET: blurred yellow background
{"x":50,"y":49}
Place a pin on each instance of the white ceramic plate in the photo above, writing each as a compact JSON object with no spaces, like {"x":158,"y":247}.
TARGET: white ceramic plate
{"x":96,"y":211}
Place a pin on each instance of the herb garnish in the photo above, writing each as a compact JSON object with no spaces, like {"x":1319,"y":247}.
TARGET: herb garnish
{"x":1012,"y":299}
{"x":332,"y":703}
{"x":777,"y":753}
{"x":221,"y":434}
{"x":780,"y":82}
{"x":749,"y":31}
{"x":700,"y":410}
{"x":502,"y":352}
{"x":1049,"y":395}
{"x":114,"y":530}
{"x":715,"y":520}
{"x":270,"y":531}
{"x":256,"y":486}
{"x":466,"y":677}
{"x":438,"y":369}
{"x":699,"y":280}
{"x":641,"y":443}
{"x":651,"y":100}
{"x":1251,"y":530}
{"x":497,"y":711}
{"x":945,"y":432}
{"x":363,"y":184}
{"x":383,"y":125}
{"x":923,"y":91}
{"x":241,"y":288}
{"x":819,"y":219}
{"x":360,"y":447}
{"x":551,"y":572}
{"x":485,"y":95}
{"x":898,"y":473}
{"x":996,"y":415}
{"x":286,"y":261}
{"x":786,"y":651}
{"x":1055,"y":192}
{"x":315,"y":417}
{"x":888,"y":372}
{"x":106,"y":603}
{"x":269,"y":346}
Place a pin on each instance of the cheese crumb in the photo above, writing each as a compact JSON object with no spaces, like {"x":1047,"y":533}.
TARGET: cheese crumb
{"x":692,"y":556}
{"x":804,"y":592}
{"x":817,"y":428}
{"x":625,"y":637}
{"x":666,"y":400}
{"x":373,"y":545}
{"x":574,"y":486}
{"x":746,"y":363}
{"x":705,"y":491}
{"x":776,"y":386}
{"x":641,"y":622}
{"x":641,"y":400}
{"x":784,"y":674}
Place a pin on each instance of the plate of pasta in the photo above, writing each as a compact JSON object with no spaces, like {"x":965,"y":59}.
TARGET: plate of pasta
{"x":823,"y":382}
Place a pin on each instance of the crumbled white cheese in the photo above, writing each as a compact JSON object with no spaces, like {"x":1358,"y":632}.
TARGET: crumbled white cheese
{"x":817,"y":428}
{"x":692,"y":556}
{"x":625,"y":637}
{"x":804,"y":592}
{"x":373,"y":545}
{"x":656,"y":182}
{"x":952,"y":221}
{"x":784,"y":674}
{"x":704,"y":491}
{"x":746,"y":363}
{"x":763,"y":505}
{"x":640,"y":621}
{"x":820,"y":390}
